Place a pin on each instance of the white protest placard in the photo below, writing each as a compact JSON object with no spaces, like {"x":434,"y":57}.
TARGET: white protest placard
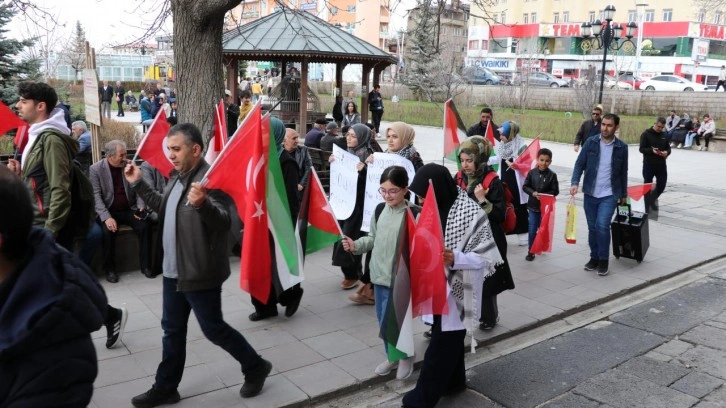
{"x":343,"y":183}
{"x":90,"y":96}
{"x":381,"y":161}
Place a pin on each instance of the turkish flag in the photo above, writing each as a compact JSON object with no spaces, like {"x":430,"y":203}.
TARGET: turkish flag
{"x":219,"y":137}
{"x":543,"y":239}
{"x":428,"y":276}
{"x":153,"y":146}
{"x":241,"y":171}
{"x":490,"y":134}
{"x":21,"y":137}
{"x":8,"y":119}
{"x":527,"y":159}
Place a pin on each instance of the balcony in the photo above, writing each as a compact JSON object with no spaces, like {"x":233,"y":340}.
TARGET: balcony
{"x":383,"y":34}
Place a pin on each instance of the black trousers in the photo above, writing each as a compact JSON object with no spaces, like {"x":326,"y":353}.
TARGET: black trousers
{"x":125,"y":217}
{"x":120,"y":108}
{"x":706,"y":138}
{"x":443,"y":369}
{"x":660,"y":172}
{"x":377,"y":116}
{"x":721,"y":84}
{"x":284,"y":298}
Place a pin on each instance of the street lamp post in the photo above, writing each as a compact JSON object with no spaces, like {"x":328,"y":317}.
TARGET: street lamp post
{"x":607,"y":36}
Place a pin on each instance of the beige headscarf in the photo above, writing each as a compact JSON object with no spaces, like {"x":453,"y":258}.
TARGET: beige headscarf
{"x":404,"y":131}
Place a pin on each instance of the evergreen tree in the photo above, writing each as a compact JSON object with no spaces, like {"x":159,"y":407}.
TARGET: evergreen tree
{"x":12,"y":67}
{"x":422,"y":51}
{"x":76,"y":51}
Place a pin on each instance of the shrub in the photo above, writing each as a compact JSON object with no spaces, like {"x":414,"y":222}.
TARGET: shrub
{"x":124,"y":131}
{"x":6,"y":145}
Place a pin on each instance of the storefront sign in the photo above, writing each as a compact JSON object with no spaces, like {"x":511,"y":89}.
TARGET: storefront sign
{"x":700,"y":49}
{"x":559,"y":30}
{"x":493,"y":64}
{"x":714,"y":32}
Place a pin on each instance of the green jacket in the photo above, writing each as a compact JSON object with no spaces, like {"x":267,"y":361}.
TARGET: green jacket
{"x":47,"y":174}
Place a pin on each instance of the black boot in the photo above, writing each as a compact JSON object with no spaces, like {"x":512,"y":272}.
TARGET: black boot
{"x":255,"y":380}
{"x":155,"y":397}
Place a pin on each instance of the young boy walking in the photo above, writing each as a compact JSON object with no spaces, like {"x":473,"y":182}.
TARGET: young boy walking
{"x":540,"y":180}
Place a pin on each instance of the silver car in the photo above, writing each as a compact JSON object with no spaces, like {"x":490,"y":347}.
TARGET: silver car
{"x":540,"y":79}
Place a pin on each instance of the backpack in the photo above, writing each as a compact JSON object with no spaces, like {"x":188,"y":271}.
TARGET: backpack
{"x":510,"y":216}
{"x":82,"y":200}
{"x":379,"y":209}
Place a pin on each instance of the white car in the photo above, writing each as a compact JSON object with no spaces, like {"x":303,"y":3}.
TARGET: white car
{"x":672,"y":83}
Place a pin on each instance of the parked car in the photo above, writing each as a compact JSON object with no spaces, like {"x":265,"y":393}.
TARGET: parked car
{"x":613,"y":83}
{"x":672,"y":83}
{"x":632,"y":80}
{"x":481,"y":76}
{"x":541,"y":79}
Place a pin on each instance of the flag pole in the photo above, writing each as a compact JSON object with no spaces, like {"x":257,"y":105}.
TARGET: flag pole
{"x":143,"y":141}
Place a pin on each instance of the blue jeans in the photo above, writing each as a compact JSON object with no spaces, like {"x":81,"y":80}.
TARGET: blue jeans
{"x":91,"y":243}
{"x":599,"y":213}
{"x":207,"y":307}
{"x":535,"y":218}
{"x":689,"y":139}
{"x":380,"y":295}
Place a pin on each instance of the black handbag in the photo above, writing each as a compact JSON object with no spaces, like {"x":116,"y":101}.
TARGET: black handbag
{"x":341,"y":257}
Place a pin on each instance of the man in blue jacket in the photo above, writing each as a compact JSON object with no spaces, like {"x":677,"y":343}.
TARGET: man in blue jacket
{"x":50,"y":303}
{"x":604,"y":160}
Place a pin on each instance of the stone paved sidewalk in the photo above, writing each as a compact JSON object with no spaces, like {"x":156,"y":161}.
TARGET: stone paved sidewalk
{"x":331,"y":346}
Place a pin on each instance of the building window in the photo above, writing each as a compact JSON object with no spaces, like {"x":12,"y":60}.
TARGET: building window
{"x":556,"y":18}
{"x":503,"y":18}
{"x":484,"y":45}
{"x":591,"y":16}
{"x":565,"y":16}
{"x":649,"y":16}
{"x":701,"y":16}
{"x":525,"y":18}
{"x":717,"y":17}
{"x":474,"y":44}
{"x":534,"y":18}
{"x":667,"y":14}
{"x":351,"y":9}
{"x":632,"y":15}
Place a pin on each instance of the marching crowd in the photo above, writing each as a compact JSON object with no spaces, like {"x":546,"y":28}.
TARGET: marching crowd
{"x":50,"y":302}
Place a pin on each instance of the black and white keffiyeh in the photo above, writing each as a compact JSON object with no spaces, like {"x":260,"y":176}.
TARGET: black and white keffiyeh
{"x":509,"y":150}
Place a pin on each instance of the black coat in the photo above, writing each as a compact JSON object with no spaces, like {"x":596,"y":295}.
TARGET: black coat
{"x":542,"y":182}
{"x":584,"y":132}
{"x":48,"y":310}
{"x":106,"y":94}
{"x":649,"y":140}
{"x":479,"y":130}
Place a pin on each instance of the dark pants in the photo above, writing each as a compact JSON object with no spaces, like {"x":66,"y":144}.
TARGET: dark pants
{"x":535,"y":218}
{"x":660,"y":172}
{"x":489,"y":308}
{"x":377,"y":116}
{"x":706,"y":138}
{"x":354,"y":272}
{"x":120,"y":108}
{"x":721,"y":84}
{"x":207,"y":307}
{"x":90,"y":245}
{"x":125,"y":217}
{"x":443,"y":369}
{"x":271,"y":305}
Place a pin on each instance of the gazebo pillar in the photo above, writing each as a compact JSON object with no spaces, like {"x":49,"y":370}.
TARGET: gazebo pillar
{"x":302,"y":126}
{"x":377,"y":70}
{"x":339,"y":67}
{"x":231,"y":64}
{"x":364,"y":93}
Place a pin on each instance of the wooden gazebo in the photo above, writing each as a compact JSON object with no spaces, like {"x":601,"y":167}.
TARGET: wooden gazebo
{"x":298,"y":36}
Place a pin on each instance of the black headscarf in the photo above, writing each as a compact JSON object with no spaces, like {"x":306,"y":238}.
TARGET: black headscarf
{"x":444,"y":187}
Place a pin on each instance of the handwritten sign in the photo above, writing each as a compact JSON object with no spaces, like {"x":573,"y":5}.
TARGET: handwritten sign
{"x":381,"y":161}
{"x":90,"y":96}
{"x":343,"y":183}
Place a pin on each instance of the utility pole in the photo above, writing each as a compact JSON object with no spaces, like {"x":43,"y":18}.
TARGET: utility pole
{"x":641,"y":17}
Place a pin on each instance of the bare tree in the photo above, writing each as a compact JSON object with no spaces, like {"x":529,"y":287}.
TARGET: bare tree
{"x":48,"y":38}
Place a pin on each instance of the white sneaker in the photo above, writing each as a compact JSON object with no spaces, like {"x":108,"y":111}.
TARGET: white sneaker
{"x":680,"y":145}
{"x":523,"y":239}
{"x":700,"y":148}
{"x":405,"y":368}
{"x":385,"y":368}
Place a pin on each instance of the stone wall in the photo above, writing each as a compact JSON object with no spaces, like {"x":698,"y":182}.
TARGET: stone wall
{"x":566,"y":99}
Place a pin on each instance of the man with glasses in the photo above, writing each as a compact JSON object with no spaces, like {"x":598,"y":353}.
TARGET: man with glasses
{"x":590,"y":127}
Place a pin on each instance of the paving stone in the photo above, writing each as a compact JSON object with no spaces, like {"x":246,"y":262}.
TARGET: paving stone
{"x":345,"y":317}
{"x":655,"y":371}
{"x":571,"y":400}
{"x":335,"y":344}
{"x":716,"y":324}
{"x":717,"y":397}
{"x":697,"y":384}
{"x":291,"y":356}
{"x":623,"y":390}
{"x":674,"y":348}
{"x":707,"y":360}
{"x":468,"y":398}
{"x":719,"y":274}
{"x":707,"y":404}
{"x":321,"y":378}
{"x":706,"y":336}
{"x":222,"y":398}
{"x":267,"y":337}
{"x":551,"y":368}
{"x":658,"y":357}
{"x":118,"y":370}
{"x":277,"y":392}
{"x":678,"y":311}
{"x":361,"y":364}
{"x":119,"y":395}
{"x":721,"y":318}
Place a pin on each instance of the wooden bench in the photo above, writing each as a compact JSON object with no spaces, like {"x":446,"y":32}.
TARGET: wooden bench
{"x":321,"y":165}
{"x":718,"y":141}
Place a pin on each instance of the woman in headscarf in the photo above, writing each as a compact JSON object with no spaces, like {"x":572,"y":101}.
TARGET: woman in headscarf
{"x":358,"y":143}
{"x":399,"y":138}
{"x":489,"y":193}
{"x":470,"y":255}
{"x":289,"y":298}
{"x":510,"y":147}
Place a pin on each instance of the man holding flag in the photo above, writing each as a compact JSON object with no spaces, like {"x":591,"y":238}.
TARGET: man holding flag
{"x":194,"y":225}
{"x":480,"y":129}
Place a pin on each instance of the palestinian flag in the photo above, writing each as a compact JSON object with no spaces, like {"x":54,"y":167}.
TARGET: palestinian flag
{"x":396,"y":327}
{"x":454,"y":132}
{"x":287,"y":249}
{"x":641,"y":198}
{"x":317,"y":227}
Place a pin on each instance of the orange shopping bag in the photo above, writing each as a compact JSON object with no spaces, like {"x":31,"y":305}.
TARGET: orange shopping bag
{"x":571,"y":225}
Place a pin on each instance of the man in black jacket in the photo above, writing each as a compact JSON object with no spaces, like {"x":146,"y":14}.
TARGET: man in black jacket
{"x":480,"y":129}
{"x":232,"y":113}
{"x":106,"y":94}
{"x":120,"y":94}
{"x":589,"y":127}
{"x":194,"y":224}
{"x":655,"y":149}
{"x":50,"y":303}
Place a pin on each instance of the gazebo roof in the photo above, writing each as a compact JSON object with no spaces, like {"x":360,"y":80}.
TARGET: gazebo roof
{"x":293,"y":34}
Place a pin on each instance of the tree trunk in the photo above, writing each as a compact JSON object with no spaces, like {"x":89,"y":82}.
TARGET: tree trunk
{"x":198,"y":59}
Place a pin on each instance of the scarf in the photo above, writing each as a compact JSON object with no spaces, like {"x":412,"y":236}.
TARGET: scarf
{"x":244,"y":110}
{"x":363,"y":134}
{"x":510,"y":149}
{"x":278,"y":131}
{"x":468,"y":230}
{"x":444,"y":187}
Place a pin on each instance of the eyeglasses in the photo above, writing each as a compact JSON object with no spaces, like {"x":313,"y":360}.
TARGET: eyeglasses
{"x":391,"y":192}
